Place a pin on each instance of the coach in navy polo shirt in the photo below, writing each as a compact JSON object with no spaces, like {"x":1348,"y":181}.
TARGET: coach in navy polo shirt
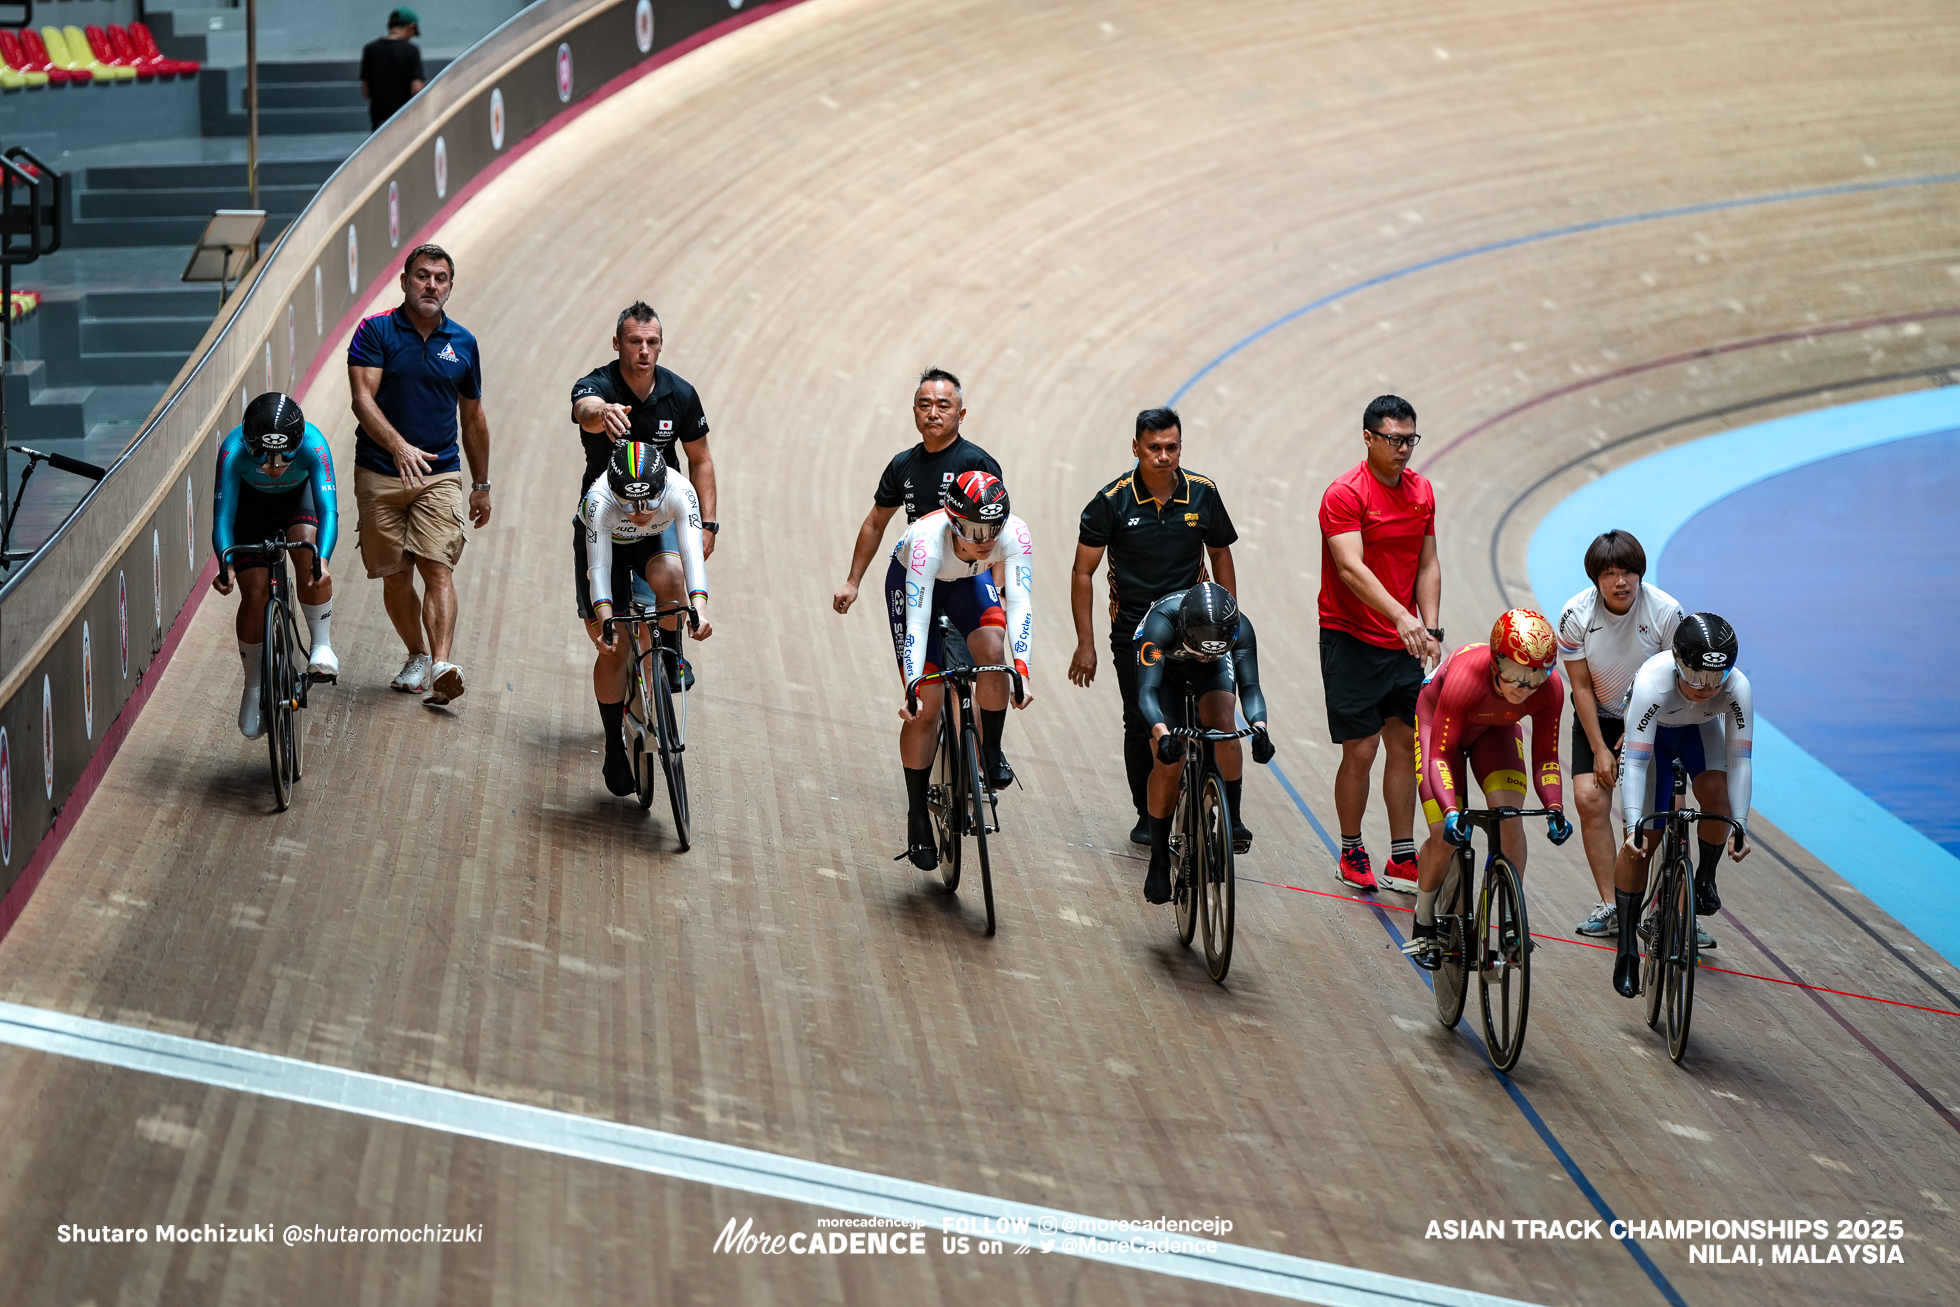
{"x":412,"y":372}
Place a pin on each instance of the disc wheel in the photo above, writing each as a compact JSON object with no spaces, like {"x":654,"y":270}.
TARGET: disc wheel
{"x":1653,"y":967}
{"x":1680,"y":961}
{"x":273,"y":712}
{"x":1452,"y":920}
{"x":943,"y":803}
{"x":978,"y":819}
{"x":1216,"y":882}
{"x":1505,"y":979}
{"x":1184,"y":871}
{"x":673,"y":764}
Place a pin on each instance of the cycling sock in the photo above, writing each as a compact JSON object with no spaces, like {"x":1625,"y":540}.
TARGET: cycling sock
{"x":613,"y":715}
{"x":992,"y":722}
{"x":1627,"y":901}
{"x":251,"y":654}
{"x":916,"y":780}
{"x":1160,"y":834}
{"x":318,"y":618}
{"x":1401,"y":850}
{"x":1350,"y":842}
{"x":1426,"y":906}
{"x":1711,"y":858}
{"x":1232,"y":790}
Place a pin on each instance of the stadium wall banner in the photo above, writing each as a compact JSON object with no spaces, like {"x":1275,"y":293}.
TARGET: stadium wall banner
{"x":66,"y":705}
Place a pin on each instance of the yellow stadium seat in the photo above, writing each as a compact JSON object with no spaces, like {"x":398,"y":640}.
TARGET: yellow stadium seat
{"x":92,"y":59}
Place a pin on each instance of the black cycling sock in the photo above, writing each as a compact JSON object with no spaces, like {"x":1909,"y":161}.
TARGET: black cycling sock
{"x":1160,"y":833}
{"x":992,"y":722}
{"x":612,"y":716}
{"x":1711,"y":858}
{"x":916,"y":780}
{"x":1350,"y":842}
{"x":1402,"y":850}
{"x":1232,"y":790}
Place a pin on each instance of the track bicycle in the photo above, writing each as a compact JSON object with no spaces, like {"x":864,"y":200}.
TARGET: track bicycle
{"x":1202,"y":879}
{"x":1668,"y":972}
{"x":1486,"y":929}
{"x":650,"y":710}
{"x":957,"y":795}
{"x":283,"y":676}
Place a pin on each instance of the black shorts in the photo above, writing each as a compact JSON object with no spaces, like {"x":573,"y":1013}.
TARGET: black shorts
{"x":630,"y":559}
{"x":1610,"y":730}
{"x":260,"y":517}
{"x":1194,"y":678}
{"x":1366,"y":684}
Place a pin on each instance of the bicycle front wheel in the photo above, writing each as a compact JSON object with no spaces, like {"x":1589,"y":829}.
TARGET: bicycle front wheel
{"x":637,"y":720}
{"x":296,"y":658}
{"x":943,"y":797}
{"x":275,"y":664}
{"x":1680,"y":960}
{"x":1216,"y":882}
{"x":979,"y":819}
{"x":673,"y":765}
{"x":1184,"y":862}
{"x":1653,"y":967}
{"x":1504,"y":934}
{"x":1453,"y":924}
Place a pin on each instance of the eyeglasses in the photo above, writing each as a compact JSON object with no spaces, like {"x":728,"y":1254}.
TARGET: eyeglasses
{"x":1400,"y":442}
{"x":975,"y":533}
{"x":1527,"y":678}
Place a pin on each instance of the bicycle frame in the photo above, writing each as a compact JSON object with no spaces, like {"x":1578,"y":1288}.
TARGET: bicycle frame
{"x":1466,"y":913}
{"x":1203,"y":887}
{"x":650,"y":708}
{"x":1673,"y":955}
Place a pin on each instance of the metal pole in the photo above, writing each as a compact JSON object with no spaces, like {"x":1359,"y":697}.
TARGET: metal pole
{"x":252,"y":101}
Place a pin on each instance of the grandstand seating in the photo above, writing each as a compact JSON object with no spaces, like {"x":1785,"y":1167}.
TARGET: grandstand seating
{"x":57,"y":56}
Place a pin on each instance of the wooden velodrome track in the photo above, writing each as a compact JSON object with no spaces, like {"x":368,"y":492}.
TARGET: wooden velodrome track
{"x":1075,"y":207}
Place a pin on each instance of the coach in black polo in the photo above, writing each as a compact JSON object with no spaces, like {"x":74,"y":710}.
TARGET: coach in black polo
{"x":634,"y":397}
{"x":1159,"y":524}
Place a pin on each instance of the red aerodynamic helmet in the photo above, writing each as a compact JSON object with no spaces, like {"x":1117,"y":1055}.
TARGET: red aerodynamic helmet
{"x":1524,"y":637}
{"x":976,"y":504}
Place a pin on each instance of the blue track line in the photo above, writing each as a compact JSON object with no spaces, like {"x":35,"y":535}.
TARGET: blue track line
{"x":1533,"y":238}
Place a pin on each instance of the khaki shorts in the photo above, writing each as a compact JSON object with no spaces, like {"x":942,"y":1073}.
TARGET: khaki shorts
{"x":396,"y":522}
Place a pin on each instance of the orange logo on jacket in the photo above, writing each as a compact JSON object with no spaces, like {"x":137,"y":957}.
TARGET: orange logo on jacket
{"x":1149,"y":654}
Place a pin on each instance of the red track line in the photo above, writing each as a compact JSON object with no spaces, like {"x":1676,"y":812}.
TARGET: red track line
{"x":1707,"y":351}
{"x":1774,"y":980}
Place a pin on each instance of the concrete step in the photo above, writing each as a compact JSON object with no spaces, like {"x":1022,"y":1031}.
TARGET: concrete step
{"x":188,"y":176}
{"x":311,"y":95}
{"x":198,"y":202}
{"x":291,"y":122}
{"x":189,"y":302}
{"x":105,"y":233}
{"x":143,"y":335}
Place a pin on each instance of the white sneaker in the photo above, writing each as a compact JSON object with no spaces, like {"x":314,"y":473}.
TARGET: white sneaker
{"x":323,"y":662}
{"x":1603,"y":922}
{"x":414,"y":675}
{"x":446,"y":683}
{"x":249,"y":723}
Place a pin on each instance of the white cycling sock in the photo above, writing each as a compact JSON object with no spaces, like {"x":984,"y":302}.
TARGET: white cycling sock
{"x":251,"y":654}
{"x":1426,"y":906}
{"x":318,"y":618}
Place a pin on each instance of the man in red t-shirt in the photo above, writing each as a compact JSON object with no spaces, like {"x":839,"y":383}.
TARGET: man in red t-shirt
{"x":1381,"y":588}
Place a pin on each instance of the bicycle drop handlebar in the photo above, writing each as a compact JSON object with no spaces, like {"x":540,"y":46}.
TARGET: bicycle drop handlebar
{"x":273,"y":547}
{"x":962,"y":676}
{"x":641,"y":615}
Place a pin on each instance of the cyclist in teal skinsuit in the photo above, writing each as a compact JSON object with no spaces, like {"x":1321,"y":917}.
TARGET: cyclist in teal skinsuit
{"x":275,"y":474}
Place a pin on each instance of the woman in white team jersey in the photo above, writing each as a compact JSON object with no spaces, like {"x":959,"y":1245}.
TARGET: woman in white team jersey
{"x":1691,"y":704}
{"x":1605,"y":633}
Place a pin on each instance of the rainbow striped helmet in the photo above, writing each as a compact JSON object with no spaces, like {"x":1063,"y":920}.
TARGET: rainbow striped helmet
{"x":637,"y":475}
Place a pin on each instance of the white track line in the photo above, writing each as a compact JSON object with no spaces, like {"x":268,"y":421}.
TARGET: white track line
{"x":661,"y":1153}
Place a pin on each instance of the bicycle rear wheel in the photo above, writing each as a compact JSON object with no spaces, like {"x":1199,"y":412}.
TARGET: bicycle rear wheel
{"x":1452,"y":923}
{"x":943,"y":797}
{"x":1217,"y":884}
{"x":1184,"y":863}
{"x":673,"y":764}
{"x":1680,"y":960}
{"x":1504,"y":980}
{"x":274,"y":715}
{"x":971,"y":752}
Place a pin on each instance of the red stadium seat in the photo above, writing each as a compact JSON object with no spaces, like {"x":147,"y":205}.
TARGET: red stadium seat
{"x":146,"y":49}
{"x":36,"y":52}
{"x":105,"y":50}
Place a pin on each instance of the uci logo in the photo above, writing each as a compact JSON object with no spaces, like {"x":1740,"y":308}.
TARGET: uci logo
{"x":638,"y":489}
{"x":1714,"y":658}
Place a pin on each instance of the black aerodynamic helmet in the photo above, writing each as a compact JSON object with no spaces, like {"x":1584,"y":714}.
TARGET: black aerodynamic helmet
{"x":976,"y":504}
{"x":637,"y":475}
{"x":1704,"y":650}
{"x":274,"y":425}
{"x":1208,"y":619}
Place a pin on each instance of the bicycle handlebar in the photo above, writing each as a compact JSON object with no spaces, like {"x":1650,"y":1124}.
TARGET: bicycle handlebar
{"x":963,"y":675}
{"x":1193,"y":733}
{"x":274,"y":547}
{"x":1490,"y":816}
{"x":1686,"y":815}
{"x":641,"y":615}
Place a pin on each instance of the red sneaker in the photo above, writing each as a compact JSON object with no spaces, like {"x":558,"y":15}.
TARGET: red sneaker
{"x":1399,"y":874}
{"x":1355,"y":871}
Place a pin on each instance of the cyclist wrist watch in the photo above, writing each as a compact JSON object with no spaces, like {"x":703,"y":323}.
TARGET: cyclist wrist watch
{"x":1436,"y":631}
{"x":479,"y":485}
{"x":713,"y":528}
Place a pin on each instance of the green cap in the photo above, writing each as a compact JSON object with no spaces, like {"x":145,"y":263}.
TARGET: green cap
{"x":404,"y":18}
